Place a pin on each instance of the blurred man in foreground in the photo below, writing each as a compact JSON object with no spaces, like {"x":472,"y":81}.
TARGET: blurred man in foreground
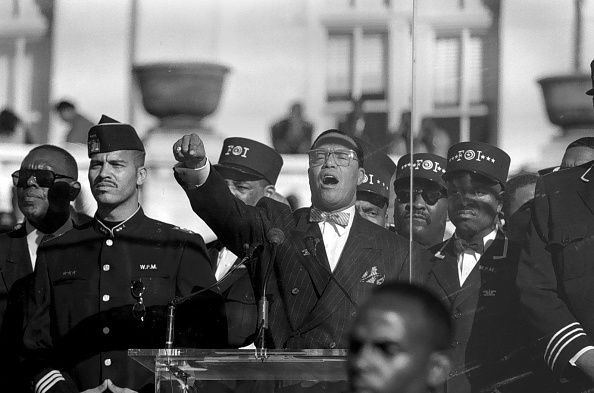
{"x":398,"y":342}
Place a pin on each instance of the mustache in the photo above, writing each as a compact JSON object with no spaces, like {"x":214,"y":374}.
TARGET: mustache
{"x":104,"y":182}
{"x":417,"y":214}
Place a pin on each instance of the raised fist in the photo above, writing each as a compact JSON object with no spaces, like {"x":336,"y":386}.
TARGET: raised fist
{"x":189,"y":150}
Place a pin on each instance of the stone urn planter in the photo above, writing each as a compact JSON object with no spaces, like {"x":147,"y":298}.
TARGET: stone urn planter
{"x":180,"y":94}
{"x":566,"y":103}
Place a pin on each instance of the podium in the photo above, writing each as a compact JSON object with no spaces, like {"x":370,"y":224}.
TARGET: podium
{"x":240,"y":370}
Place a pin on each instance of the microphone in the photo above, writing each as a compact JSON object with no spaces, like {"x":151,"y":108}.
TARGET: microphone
{"x":250,"y":251}
{"x":275,"y":237}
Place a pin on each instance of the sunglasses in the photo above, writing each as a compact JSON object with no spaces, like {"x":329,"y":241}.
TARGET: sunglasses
{"x":429,"y":196}
{"x":43,"y":177}
{"x":341,"y":157}
{"x":138,"y":309}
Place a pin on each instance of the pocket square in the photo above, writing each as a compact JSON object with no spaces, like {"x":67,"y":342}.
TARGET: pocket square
{"x":372,"y":276}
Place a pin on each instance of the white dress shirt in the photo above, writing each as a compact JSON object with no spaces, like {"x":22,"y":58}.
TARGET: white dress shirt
{"x":335,"y":237}
{"x":35,"y":236}
{"x":225,"y":259}
{"x":469,"y":258}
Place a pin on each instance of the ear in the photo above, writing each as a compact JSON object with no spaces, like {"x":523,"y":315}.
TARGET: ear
{"x":269,"y":190}
{"x":361,"y":176}
{"x":74,"y":190}
{"x":141,"y":175}
{"x":438,"y":369}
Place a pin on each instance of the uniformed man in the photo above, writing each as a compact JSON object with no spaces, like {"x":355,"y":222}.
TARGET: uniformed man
{"x":373,"y":194}
{"x":100,"y":288}
{"x":429,"y":211}
{"x":250,"y":170}
{"x":45,"y":185}
{"x":474,"y":271}
{"x":399,"y":342}
{"x":555,"y":276}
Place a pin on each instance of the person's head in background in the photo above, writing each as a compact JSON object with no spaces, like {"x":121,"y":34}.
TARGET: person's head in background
{"x":250,"y":169}
{"x":398,"y":341}
{"x":429,"y":210}
{"x":373,"y":194}
{"x":66,"y":110}
{"x":8,"y":121}
{"x":46,"y":183}
{"x":519,"y":192}
{"x":578,"y":152}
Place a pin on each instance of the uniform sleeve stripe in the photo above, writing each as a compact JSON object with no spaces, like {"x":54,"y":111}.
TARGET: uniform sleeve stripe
{"x":560,"y":343}
{"x":48,"y":380}
{"x":559,"y":332}
{"x":563,"y":346}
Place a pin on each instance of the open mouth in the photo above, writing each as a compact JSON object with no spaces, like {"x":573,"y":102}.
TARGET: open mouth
{"x":329,"y":180}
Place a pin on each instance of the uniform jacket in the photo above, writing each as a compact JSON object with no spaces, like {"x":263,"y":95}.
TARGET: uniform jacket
{"x":240,"y":302}
{"x":556,"y":272}
{"x":15,"y":262}
{"x":83,"y":322}
{"x":484,"y":313}
{"x":310,"y":306}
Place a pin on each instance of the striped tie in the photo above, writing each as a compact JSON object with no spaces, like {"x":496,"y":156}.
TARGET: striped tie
{"x":339,"y":218}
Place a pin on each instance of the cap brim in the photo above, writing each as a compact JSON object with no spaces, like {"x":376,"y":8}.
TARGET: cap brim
{"x":484,"y":174}
{"x":236,"y":172}
{"x":590,"y":92}
{"x":406,"y":179}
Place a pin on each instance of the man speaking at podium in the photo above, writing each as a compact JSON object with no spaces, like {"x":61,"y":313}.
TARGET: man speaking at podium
{"x":327,"y":257}
{"x":100,"y":286}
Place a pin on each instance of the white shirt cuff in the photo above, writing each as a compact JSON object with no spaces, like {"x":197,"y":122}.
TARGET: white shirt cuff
{"x":193,"y":177}
{"x":580,"y":353}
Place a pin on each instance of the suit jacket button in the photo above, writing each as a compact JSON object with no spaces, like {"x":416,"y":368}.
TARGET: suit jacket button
{"x":332,"y":345}
{"x":295,"y":291}
{"x":105,"y":330}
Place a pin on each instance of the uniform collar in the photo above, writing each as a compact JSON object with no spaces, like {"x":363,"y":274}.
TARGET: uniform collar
{"x":128,"y":222}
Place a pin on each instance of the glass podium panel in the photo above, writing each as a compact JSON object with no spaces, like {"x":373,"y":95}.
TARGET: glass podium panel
{"x":211,"y":370}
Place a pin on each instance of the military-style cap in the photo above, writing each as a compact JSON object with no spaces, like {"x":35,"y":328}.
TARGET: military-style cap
{"x":425,"y":165}
{"x":111,"y":135}
{"x":478,"y":157}
{"x":591,"y":91}
{"x":379,"y":169}
{"x":251,"y":158}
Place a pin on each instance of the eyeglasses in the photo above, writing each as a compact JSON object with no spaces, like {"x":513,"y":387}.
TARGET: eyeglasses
{"x":341,"y":157}
{"x":137,"y":290}
{"x":43,"y":177}
{"x":429,"y":196}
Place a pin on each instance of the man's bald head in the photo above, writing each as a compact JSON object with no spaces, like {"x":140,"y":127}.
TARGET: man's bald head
{"x":51,"y":157}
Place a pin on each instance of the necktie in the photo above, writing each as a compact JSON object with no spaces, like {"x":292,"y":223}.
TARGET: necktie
{"x":339,"y":218}
{"x":462,"y":245}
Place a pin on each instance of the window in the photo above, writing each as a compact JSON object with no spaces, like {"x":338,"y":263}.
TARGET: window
{"x":356,"y":65}
{"x":458,"y":96}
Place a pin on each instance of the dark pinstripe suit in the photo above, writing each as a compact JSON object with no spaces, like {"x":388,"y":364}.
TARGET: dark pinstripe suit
{"x":310,"y":306}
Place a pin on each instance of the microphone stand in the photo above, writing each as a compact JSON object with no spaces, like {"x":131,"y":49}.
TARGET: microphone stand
{"x":275,"y":237}
{"x":250,"y":251}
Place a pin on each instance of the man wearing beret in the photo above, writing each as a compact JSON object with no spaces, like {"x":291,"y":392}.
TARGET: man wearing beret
{"x":250,"y":170}
{"x":429,"y":211}
{"x":374,"y":192}
{"x":101,"y":287}
{"x":474,"y":271}
{"x":318,"y":263}
{"x":556,"y":275}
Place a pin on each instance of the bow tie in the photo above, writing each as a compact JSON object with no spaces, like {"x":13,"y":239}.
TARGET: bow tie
{"x":462,"y":245}
{"x":340,"y":218}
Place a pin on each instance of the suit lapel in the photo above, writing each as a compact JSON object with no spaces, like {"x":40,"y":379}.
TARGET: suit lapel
{"x":356,"y":257}
{"x":586,"y":190}
{"x":308,"y":240}
{"x":18,"y":260}
{"x":445,"y":270}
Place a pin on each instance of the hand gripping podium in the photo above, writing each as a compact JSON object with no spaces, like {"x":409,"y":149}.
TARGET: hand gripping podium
{"x":241,"y":370}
